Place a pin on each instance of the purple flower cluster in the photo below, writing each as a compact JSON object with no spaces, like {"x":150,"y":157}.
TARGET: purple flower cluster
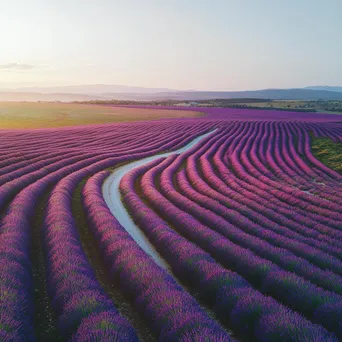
{"x":26,"y":175}
{"x":248,"y":220}
{"x":169,"y":310}
{"x":81,"y":305}
{"x":16,"y":288}
{"x":197,"y":268}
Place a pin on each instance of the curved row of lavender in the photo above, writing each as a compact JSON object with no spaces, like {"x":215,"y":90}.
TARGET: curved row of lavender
{"x":248,"y":220}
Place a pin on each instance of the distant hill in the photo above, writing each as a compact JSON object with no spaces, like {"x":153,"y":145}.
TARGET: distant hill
{"x":35,"y":97}
{"x":92,"y":89}
{"x":328,"y":88}
{"x":113,"y":92}
{"x":273,"y":94}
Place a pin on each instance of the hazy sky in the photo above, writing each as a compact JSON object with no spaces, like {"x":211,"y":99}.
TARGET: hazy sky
{"x":182,"y":44}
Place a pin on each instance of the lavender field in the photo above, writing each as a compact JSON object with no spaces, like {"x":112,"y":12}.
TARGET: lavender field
{"x":233,"y":230}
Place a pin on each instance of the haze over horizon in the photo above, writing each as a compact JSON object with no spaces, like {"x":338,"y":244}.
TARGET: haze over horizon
{"x":201,"y":45}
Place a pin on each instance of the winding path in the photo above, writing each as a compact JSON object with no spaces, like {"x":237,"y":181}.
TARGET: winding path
{"x":112,"y":196}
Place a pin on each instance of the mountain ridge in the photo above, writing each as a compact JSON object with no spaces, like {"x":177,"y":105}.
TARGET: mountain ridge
{"x":328,"y":88}
{"x":105,"y":93}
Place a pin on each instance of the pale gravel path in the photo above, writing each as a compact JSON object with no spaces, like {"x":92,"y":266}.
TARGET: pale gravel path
{"x":112,"y":197}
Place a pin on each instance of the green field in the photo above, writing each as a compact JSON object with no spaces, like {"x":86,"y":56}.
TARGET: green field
{"x":328,"y":152}
{"x":20,"y":115}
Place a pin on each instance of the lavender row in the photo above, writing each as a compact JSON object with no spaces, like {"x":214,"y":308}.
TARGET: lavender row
{"x":65,"y":256}
{"x":256,"y":270}
{"x":116,"y":135}
{"x":16,"y":304}
{"x":203,"y":188}
{"x":244,"y":169}
{"x":170,"y":311}
{"x":16,"y":288}
{"x":239,"y":203}
{"x":229,"y":176}
{"x":10,"y":188}
{"x":268,"y":180}
{"x":78,"y":299}
{"x":279,"y":256}
{"x":249,"y":156}
{"x":213,"y":282}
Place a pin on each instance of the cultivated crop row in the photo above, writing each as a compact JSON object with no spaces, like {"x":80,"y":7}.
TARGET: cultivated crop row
{"x":248,"y":223}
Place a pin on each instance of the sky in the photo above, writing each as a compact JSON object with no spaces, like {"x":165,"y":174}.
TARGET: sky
{"x":177,"y":44}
